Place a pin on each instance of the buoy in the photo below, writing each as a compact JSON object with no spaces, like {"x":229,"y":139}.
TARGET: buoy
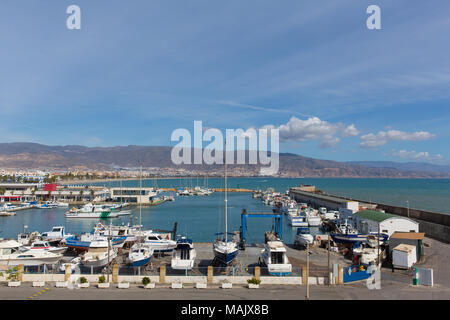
{"x":318,"y":238}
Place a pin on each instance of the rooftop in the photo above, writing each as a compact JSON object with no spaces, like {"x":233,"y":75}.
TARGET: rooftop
{"x":408,"y":235}
{"x":373,"y":215}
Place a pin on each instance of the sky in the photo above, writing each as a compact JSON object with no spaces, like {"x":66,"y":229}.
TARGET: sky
{"x":138,"y":70}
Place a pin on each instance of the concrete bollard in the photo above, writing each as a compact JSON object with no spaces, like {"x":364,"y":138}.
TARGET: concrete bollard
{"x":162,"y":274}
{"x":115,"y":273}
{"x":304,"y":277}
{"x":340,"y":275}
{"x":67,"y":272}
{"x":258,"y":273}
{"x":210,"y":274}
{"x":20,"y":272}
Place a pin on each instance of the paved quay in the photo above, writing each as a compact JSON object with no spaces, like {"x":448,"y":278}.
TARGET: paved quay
{"x":390,"y":290}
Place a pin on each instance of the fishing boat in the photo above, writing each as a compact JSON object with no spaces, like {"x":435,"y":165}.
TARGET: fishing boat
{"x":26,"y":238}
{"x":55,"y":236}
{"x":313,"y":218}
{"x":225,"y":251}
{"x":99,"y":254}
{"x":12,"y":253}
{"x":274,"y":257}
{"x":183,"y":257}
{"x":297,"y":220}
{"x":303,"y":237}
{"x":130,"y":233}
{"x":45,"y":246}
{"x":83,"y":242}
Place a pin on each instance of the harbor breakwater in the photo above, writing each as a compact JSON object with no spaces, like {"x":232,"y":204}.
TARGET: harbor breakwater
{"x":434,"y":224}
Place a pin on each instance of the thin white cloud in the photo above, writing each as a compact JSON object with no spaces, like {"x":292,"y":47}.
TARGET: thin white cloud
{"x":383,"y":137}
{"x":259,"y":108}
{"x":314,"y":129}
{"x":418,"y":156}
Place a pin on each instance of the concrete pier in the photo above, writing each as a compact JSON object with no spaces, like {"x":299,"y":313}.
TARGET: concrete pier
{"x":435,"y":225}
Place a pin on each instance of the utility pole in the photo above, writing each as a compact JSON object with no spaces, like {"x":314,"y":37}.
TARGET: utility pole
{"x":109,"y":245}
{"x":307,"y":271}
{"x":329,"y":278}
{"x":407,"y":204}
{"x":378,"y":238}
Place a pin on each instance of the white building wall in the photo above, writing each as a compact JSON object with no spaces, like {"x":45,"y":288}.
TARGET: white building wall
{"x":388,"y":226}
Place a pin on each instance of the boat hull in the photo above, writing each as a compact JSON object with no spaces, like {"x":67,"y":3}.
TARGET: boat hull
{"x":141,"y":263}
{"x":342,"y":238}
{"x":30,"y":262}
{"x":225,"y":258}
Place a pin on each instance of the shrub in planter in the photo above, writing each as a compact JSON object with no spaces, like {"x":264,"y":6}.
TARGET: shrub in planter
{"x":13,"y":274}
{"x":83,"y":280}
{"x":146,"y":281}
{"x":84,"y":283}
{"x":101,"y":279}
{"x":254,"y":281}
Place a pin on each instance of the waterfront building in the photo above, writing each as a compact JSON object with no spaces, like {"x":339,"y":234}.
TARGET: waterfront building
{"x":133,"y":195}
{"x":367,"y":221}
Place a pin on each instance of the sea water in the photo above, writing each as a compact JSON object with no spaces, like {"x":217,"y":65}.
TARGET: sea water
{"x":201,"y":217}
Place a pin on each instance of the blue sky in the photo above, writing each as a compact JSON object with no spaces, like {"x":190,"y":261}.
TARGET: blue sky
{"x":135,"y":72}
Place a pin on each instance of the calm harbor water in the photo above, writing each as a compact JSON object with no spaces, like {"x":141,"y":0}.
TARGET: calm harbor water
{"x":425,"y":194}
{"x":200,"y":217}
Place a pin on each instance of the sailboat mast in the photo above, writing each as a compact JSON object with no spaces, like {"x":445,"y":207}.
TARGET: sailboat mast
{"x":140,"y":203}
{"x":226,"y":199}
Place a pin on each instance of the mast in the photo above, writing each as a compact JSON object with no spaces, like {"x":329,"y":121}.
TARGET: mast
{"x":140,"y":205}
{"x":226,"y":199}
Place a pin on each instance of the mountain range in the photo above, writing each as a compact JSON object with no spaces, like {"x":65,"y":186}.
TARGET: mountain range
{"x":37,"y":156}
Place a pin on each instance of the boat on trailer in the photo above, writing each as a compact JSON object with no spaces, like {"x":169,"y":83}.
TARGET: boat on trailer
{"x":183,"y":257}
{"x":274,"y":257}
{"x":303,"y":237}
{"x":98,"y":254}
{"x":140,"y":255}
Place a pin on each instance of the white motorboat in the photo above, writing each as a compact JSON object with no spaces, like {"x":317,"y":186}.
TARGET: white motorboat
{"x":183,"y":257}
{"x":313,"y":218}
{"x":47,"y":205}
{"x":12,"y":253}
{"x":274,"y":257}
{"x":98,"y":254}
{"x":45,"y":246}
{"x":55,"y":236}
{"x":303,"y":237}
{"x":90,"y":211}
{"x":156,"y":242}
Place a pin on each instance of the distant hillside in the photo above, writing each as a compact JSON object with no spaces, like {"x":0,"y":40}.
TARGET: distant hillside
{"x":407,"y":166}
{"x":37,"y":156}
